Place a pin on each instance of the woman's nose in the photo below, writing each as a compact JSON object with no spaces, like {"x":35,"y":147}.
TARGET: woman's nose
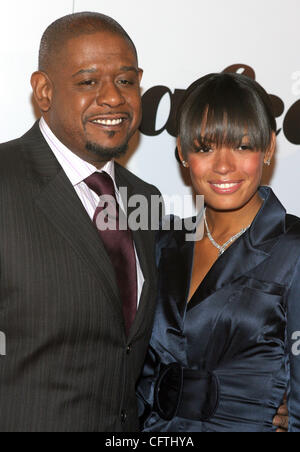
{"x":224,"y":161}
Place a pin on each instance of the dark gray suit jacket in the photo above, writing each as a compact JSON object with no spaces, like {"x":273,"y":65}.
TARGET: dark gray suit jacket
{"x":69,"y":366}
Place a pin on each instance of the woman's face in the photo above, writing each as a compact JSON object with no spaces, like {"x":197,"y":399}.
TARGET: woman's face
{"x":228,"y":178}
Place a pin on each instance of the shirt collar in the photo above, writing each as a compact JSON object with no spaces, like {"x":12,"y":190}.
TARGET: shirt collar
{"x":76,"y":169}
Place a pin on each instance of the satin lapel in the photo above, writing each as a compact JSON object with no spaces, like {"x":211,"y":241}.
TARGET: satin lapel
{"x":60,"y":204}
{"x":239,"y":259}
{"x":175,"y":271}
{"x":174,"y":279}
{"x":248,"y":251}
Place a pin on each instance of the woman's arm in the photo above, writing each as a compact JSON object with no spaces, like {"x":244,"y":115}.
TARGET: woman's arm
{"x":281,"y":420}
{"x":293,"y":342}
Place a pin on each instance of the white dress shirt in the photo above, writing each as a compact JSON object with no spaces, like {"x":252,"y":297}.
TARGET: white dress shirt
{"x":77,"y":170}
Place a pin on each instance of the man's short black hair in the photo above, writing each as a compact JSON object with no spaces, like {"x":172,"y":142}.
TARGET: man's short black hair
{"x":220,"y":109}
{"x":72,"y":26}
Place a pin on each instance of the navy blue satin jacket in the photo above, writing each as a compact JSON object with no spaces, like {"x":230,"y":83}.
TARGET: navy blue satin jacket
{"x":223,"y":362}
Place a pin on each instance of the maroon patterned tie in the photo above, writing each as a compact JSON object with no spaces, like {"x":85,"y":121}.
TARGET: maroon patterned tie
{"x":118,"y":244}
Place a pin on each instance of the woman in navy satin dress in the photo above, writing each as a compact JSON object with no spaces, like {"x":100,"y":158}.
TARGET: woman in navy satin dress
{"x":224,"y":348}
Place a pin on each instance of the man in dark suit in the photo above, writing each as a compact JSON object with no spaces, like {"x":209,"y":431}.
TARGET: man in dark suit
{"x":76,"y":306}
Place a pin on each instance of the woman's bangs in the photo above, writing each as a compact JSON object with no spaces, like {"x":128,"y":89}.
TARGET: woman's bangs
{"x":225,"y":111}
{"x":220,"y":127}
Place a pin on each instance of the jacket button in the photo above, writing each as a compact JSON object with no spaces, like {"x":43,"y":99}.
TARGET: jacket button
{"x":129,"y":349}
{"x":123,"y":417}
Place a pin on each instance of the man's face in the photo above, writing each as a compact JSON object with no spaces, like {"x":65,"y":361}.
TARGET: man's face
{"x":95,"y":100}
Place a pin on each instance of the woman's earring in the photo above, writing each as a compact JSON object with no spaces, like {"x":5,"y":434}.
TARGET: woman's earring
{"x":185,"y":164}
{"x":268,"y":162}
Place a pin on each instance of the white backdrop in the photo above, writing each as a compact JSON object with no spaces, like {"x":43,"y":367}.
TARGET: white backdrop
{"x":178,"y":42}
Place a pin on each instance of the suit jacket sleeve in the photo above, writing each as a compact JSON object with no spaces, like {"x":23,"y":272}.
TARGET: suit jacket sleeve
{"x":293,"y":342}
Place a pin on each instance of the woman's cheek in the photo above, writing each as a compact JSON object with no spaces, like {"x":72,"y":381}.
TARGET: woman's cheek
{"x":199,"y":167}
{"x":199,"y":171}
{"x":251,"y":165}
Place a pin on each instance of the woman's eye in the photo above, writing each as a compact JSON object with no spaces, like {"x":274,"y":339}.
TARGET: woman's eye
{"x":204,"y":149}
{"x":245,"y":147}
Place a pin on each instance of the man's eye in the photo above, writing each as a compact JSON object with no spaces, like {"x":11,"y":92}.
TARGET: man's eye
{"x":125,"y":82}
{"x":87,"y":83}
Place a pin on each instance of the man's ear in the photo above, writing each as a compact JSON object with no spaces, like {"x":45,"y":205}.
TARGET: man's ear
{"x":42,"y":90}
{"x":140,"y":74}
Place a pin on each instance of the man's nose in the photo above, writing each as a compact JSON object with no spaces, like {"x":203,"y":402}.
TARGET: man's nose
{"x":224,"y":161}
{"x":110,"y":95}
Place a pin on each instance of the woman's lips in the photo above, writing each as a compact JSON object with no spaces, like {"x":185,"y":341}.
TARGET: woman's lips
{"x":225,"y":188}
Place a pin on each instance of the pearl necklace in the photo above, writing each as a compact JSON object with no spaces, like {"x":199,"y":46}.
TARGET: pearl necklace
{"x":223,"y":248}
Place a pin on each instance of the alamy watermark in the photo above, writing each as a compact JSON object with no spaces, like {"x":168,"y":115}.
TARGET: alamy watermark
{"x":296,"y":345}
{"x":2,"y":344}
{"x":142,"y":213}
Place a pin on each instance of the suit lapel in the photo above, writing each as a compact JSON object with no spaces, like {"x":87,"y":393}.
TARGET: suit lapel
{"x":60,"y":204}
{"x":177,"y":264}
{"x":176,"y":269}
{"x":238,"y":260}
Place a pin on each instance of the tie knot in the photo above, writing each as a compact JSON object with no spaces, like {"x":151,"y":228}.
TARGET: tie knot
{"x":101,"y":184}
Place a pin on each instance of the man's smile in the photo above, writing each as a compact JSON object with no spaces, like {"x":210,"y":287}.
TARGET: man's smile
{"x":110,"y":121}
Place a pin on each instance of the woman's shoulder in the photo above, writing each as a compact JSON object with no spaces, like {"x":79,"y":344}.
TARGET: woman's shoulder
{"x":288,"y":244}
{"x":174,"y":232}
{"x":170,"y":229}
